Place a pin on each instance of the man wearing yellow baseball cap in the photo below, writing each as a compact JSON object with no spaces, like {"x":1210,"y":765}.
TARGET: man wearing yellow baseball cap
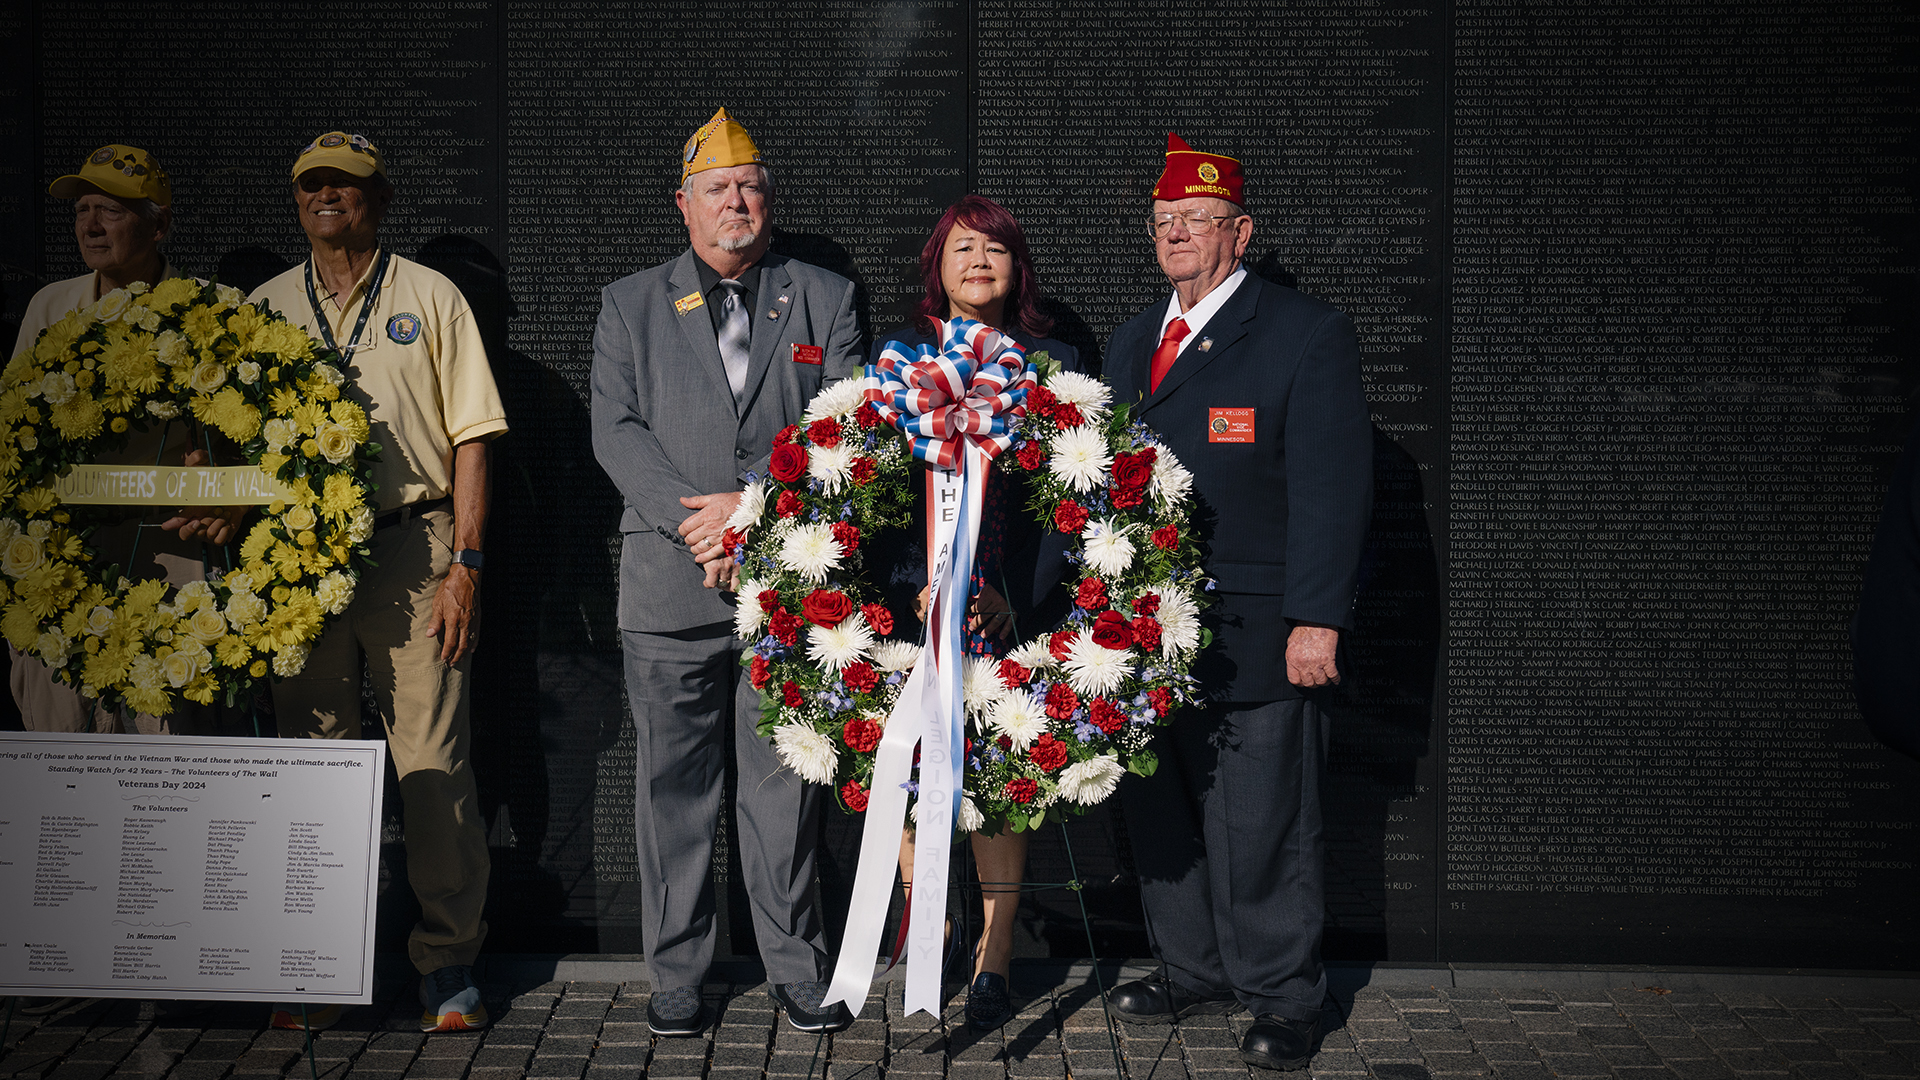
{"x":419,"y":368}
{"x":697,"y":363}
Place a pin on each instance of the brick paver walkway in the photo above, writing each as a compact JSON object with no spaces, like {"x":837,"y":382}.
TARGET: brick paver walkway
{"x":598,"y":1030}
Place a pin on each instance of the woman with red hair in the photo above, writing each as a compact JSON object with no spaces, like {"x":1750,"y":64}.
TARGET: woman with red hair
{"x":976,"y":266}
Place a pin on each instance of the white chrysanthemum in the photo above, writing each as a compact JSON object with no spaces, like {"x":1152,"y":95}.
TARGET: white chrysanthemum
{"x":1079,"y":457}
{"x":834,"y":647}
{"x":1179,"y":619}
{"x":747,"y":616}
{"x":895,"y":655}
{"x":1095,"y":669}
{"x":837,"y":400}
{"x":1171,"y":480}
{"x":1089,"y":782}
{"x":1106,"y":547}
{"x":1090,"y":394}
{"x":334,"y":592}
{"x":970,"y":816}
{"x":290,"y":659}
{"x":753,"y":503}
{"x":831,"y":465}
{"x":165,"y":410}
{"x":807,"y":752}
{"x":1033,"y":655}
{"x":1021,"y":718}
{"x":810,"y":551}
{"x":980,"y":684}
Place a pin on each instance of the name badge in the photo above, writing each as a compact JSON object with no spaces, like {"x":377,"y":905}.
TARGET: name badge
{"x":809,"y":354}
{"x":1230,"y":425}
{"x":689,"y":302}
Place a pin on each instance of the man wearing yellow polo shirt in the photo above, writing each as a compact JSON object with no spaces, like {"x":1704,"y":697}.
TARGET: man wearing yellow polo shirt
{"x":409,"y":341}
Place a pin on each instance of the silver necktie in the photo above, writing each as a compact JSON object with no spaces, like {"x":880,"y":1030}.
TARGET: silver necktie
{"x":736,"y":334}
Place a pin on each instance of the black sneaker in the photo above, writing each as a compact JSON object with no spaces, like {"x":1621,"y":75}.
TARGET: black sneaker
{"x":805,"y":1011}
{"x":677,"y":1013}
{"x":988,"y":1003}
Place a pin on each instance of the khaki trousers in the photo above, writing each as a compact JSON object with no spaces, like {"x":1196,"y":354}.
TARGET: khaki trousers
{"x":423,"y":702}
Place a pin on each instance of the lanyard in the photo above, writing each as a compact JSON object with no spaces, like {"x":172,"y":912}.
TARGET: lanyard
{"x":366,"y":308}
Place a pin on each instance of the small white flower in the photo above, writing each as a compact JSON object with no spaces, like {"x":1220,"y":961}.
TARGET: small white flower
{"x":245,"y":609}
{"x":1088,"y":393}
{"x":229,"y":295}
{"x":1079,"y":457}
{"x":334,"y":592}
{"x":279,"y":432}
{"x":1033,"y":655}
{"x":837,"y":400}
{"x":970,"y":816}
{"x":330,"y":374}
{"x":290,"y":659}
{"x":1171,"y":480}
{"x":747,"y":616}
{"x":831,"y":465}
{"x":248,"y":371}
{"x":165,"y":410}
{"x":207,"y":376}
{"x":53,"y":647}
{"x":150,"y":322}
{"x":110,"y":306}
{"x":1106,"y":547}
{"x":57,"y":388}
{"x":834,"y":647}
{"x":193,"y":596}
{"x":1091,"y":781}
{"x":807,"y":752}
{"x":1179,"y":620}
{"x":1021,"y":718}
{"x":138,"y":288}
{"x":895,"y":655}
{"x":29,"y":442}
{"x":207,"y":625}
{"x":810,"y":551}
{"x":145,"y":673}
{"x":179,"y":667}
{"x":240,"y":582}
{"x":1095,"y":669}
{"x":980,"y":684}
{"x":753,"y":503}
{"x":136,"y":315}
{"x":171,"y":347}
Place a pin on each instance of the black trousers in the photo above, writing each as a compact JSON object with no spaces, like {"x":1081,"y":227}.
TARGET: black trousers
{"x":1227,"y":838}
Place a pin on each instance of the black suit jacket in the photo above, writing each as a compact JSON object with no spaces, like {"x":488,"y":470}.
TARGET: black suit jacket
{"x":1281,"y":518}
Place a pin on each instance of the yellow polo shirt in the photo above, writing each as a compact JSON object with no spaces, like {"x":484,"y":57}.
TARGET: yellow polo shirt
{"x":420,"y":370}
{"x":57,"y":300}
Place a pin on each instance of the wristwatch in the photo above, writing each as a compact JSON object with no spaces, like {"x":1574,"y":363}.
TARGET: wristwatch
{"x":470,"y":558}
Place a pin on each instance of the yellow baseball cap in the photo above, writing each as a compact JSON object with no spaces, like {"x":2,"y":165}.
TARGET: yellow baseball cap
{"x":721,"y":143}
{"x":352,"y":154}
{"x":125,"y":172}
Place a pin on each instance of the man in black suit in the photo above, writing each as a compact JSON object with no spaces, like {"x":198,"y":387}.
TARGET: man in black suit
{"x":1256,"y":388}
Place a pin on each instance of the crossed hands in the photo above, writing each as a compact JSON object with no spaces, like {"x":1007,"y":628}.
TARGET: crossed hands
{"x":702,"y":530}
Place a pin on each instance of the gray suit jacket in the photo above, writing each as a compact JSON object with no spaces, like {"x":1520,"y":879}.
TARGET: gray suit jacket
{"x":665,"y":424}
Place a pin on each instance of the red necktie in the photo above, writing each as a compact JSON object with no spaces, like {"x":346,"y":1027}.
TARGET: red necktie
{"x":1164,"y":355}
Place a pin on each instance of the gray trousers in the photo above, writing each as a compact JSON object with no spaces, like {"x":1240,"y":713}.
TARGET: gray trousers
{"x":689,"y":694}
{"x":1226,"y":836}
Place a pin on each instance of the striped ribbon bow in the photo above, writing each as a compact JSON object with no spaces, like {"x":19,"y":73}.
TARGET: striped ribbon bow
{"x":962,"y":394}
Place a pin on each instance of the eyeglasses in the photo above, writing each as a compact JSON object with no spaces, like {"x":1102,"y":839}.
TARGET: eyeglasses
{"x":1199,"y":222}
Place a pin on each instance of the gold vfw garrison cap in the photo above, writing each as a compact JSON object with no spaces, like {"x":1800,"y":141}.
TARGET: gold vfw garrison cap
{"x":352,"y":154}
{"x":721,"y":143}
{"x":124,"y":172}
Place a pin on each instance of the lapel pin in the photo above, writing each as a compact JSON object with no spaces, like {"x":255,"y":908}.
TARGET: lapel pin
{"x":1205,"y":344}
{"x":773,"y":313}
{"x":783,"y":299}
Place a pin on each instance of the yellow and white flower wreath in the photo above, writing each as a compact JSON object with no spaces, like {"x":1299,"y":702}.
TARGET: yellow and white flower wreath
{"x":141,"y":356}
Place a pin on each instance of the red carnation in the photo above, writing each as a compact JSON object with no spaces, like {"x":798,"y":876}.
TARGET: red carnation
{"x":1092,"y":594}
{"x":1049,"y":753}
{"x":854,"y":796}
{"x":824,"y":432}
{"x":1066,"y":415}
{"x":1058,"y":644}
{"x":861,"y":735}
{"x":1166,"y":537}
{"x":787,"y":434}
{"x":759,"y":673}
{"x":731,"y":540}
{"x":1041,"y":400}
{"x":785,"y":627}
{"x":826,"y":607}
{"x":1030,"y":456}
{"x":1061,"y":701}
{"x":1022,"y":790}
{"x":866,"y":415}
{"x":864,"y":469}
{"x":860,"y":677}
{"x":847,"y":535}
{"x":878,"y":617}
{"x":790,"y":694}
{"x":1110,"y":631}
{"x":1147,"y":604}
{"x":1069,"y":517}
{"x":788,"y":505}
{"x":1146,"y":632}
{"x":1127,"y":498}
{"x":769,"y":599}
{"x":789,"y":463}
{"x":1161,"y":699}
{"x":1013,"y":675}
{"x":1133,"y":471}
{"x":1106,"y":716}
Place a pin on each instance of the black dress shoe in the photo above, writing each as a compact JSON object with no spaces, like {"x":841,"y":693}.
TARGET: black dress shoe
{"x":989,"y":1005}
{"x":802,"y":1001}
{"x":1159,"y":1000}
{"x":677,"y":1013}
{"x":1276,"y":1042}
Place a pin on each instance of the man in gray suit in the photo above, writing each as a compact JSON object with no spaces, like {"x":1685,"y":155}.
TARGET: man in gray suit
{"x":697,"y":364}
